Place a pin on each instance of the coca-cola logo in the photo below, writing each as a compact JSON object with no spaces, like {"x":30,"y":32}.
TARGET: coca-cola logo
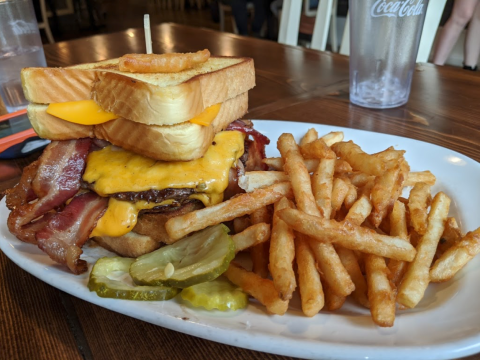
{"x":397,"y":8}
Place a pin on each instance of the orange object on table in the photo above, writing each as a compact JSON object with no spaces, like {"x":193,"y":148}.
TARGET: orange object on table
{"x":16,"y":138}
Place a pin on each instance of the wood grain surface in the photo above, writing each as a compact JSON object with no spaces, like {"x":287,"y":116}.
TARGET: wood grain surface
{"x":38,"y":321}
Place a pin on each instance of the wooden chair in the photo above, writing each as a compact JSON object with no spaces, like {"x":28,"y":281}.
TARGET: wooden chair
{"x":325,"y":23}
{"x":44,"y":24}
{"x":432,"y":21}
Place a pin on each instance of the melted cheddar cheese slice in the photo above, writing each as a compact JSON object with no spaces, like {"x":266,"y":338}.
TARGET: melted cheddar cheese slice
{"x":113,"y":170}
{"x":88,"y":112}
{"x":84,"y":112}
{"x":121,"y":217}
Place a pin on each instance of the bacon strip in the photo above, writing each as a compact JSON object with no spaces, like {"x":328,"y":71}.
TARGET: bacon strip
{"x":254,"y":150}
{"x":22,"y":193}
{"x":67,"y":231}
{"x":243,"y":127}
{"x":58,"y":174}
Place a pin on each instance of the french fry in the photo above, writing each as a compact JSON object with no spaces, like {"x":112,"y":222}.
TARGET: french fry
{"x":282,"y":253}
{"x":276,"y":164}
{"x":380,"y":291}
{"x":357,"y":214}
{"x":450,"y":236}
{"x":456,"y":257}
{"x":298,"y":174}
{"x":367,"y":188}
{"x":311,"y":290}
{"x":333,"y":137}
{"x":358,"y":159}
{"x":252,"y":235}
{"x":390,"y":188}
{"x":350,"y":262}
{"x":398,"y":227}
{"x":253,"y":180}
{"x":348,"y":235}
{"x":310,"y":136}
{"x":317,"y":149}
{"x":418,"y":203}
{"x":261,"y":289}
{"x":360,"y":179}
{"x":351,"y":196}
{"x":390,"y":154}
{"x":382,"y":192}
{"x":332,"y":300}
{"x":259,"y":253}
{"x":322,"y":184}
{"x":179,"y":226}
{"x":416,"y":279}
{"x":339,"y":192}
{"x":359,"y":211}
{"x":420,"y":176}
{"x":330,"y":265}
{"x":342,"y":167}
{"x":325,"y":255}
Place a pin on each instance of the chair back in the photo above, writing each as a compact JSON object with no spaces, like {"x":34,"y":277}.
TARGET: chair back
{"x":290,"y":22}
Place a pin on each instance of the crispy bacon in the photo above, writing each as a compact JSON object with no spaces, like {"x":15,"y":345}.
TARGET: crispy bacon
{"x":58,"y":174}
{"x":254,"y":149}
{"x":246,"y":127}
{"x":22,"y":193}
{"x":67,"y":231}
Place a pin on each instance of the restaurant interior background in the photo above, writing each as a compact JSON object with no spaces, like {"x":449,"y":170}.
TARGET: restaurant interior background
{"x":79,"y":18}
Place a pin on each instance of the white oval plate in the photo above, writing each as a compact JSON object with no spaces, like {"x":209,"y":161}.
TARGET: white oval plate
{"x":446,"y":323}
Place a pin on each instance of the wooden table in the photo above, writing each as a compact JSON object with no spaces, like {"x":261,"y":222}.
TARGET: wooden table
{"x":38,"y":321}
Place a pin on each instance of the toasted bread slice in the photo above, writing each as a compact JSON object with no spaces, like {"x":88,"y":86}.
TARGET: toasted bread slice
{"x":131,"y":244}
{"x":180,"y":142}
{"x":153,"y":99}
{"x":54,"y":85}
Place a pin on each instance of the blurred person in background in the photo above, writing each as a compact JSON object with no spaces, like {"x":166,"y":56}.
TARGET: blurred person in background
{"x":464,"y":12}
{"x":240,"y":13}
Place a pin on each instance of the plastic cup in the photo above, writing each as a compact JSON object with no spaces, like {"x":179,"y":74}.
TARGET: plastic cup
{"x":20,"y":46}
{"x":384,"y":39}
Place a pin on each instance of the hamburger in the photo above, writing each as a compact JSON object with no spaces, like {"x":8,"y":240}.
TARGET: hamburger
{"x":134,"y":142}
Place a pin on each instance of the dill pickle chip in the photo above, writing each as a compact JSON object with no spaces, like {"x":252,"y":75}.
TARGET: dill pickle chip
{"x":198,"y":258}
{"x":218,"y":294}
{"x":110,"y":278}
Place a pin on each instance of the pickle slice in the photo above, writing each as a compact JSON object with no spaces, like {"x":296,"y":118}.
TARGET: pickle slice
{"x":110,"y":278}
{"x":201,"y":257}
{"x":218,"y":294}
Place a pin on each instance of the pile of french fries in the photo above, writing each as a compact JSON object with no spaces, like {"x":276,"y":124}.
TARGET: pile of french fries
{"x":330,"y":219}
